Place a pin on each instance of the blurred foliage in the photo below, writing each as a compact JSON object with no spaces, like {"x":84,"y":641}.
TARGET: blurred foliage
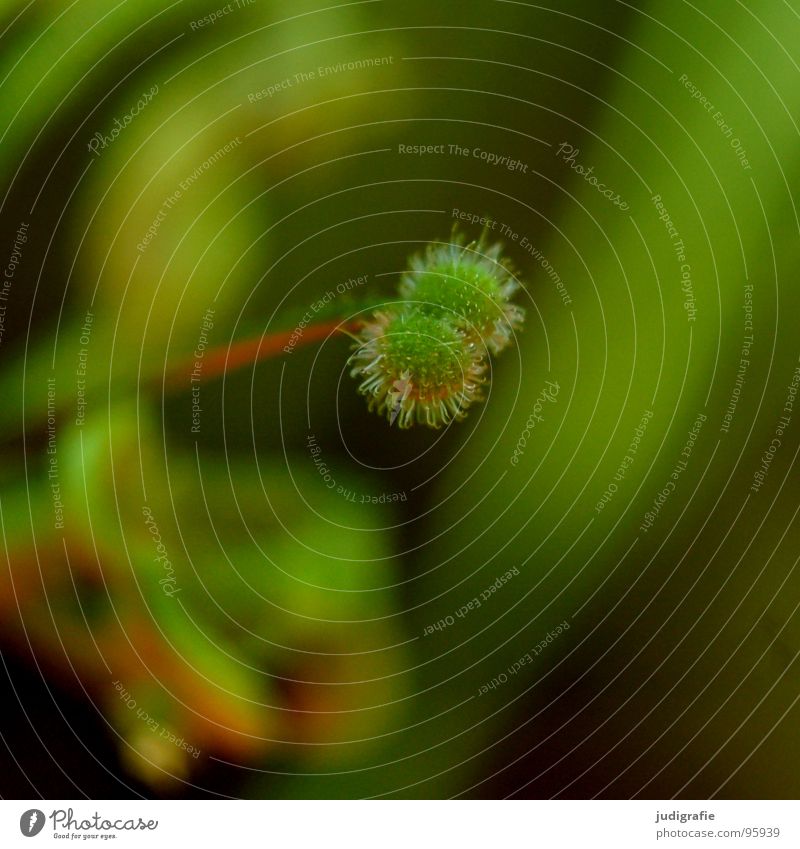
{"x":297,"y":642}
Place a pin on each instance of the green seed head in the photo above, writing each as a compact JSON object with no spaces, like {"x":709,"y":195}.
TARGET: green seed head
{"x":417,"y":367}
{"x":472,"y":285}
{"x":430,"y":349}
{"x":423,"y":360}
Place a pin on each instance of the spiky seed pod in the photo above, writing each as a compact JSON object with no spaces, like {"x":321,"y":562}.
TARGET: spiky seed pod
{"x":417,"y":367}
{"x":473,"y":284}
{"x":424,"y":358}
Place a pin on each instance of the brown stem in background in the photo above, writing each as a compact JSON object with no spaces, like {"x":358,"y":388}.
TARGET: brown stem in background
{"x":227,"y":358}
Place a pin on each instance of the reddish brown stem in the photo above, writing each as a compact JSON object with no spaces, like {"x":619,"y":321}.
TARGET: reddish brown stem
{"x":227,"y":358}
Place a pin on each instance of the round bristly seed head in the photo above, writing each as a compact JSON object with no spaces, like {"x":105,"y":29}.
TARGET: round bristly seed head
{"x":473,"y":284}
{"x":417,"y":367}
